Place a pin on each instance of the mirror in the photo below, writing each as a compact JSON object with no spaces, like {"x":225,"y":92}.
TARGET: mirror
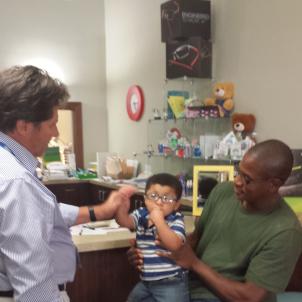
{"x":71,"y":130}
{"x":204,"y":179}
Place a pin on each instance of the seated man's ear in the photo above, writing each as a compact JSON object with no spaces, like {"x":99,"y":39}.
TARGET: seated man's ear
{"x":276,"y":183}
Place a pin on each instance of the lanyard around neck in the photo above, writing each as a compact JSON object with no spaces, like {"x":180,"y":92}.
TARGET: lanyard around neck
{"x":4,"y":146}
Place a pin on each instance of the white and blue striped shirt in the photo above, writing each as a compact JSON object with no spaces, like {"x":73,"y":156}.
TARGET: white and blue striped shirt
{"x":36,"y":249}
{"x":155,"y":267}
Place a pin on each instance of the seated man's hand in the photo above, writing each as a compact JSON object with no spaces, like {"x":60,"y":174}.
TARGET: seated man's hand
{"x":184,"y":257}
{"x":135,"y":256}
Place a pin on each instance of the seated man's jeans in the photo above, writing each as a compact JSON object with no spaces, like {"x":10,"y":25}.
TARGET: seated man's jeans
{"x":289,"y":297}
{"x":170,"y":289}
{"x":205,"y":300}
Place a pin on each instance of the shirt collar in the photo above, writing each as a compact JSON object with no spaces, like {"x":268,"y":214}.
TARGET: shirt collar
{"x":21,"y":153}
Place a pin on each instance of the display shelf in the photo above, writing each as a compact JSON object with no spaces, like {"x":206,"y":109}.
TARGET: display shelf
{"x":176,"y":156}
{"x":206,"y":161}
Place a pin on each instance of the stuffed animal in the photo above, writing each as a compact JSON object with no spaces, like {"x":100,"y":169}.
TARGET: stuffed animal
{"x":223,"y":98}
{"x":243,"y":125}
{"x":239,"y":140}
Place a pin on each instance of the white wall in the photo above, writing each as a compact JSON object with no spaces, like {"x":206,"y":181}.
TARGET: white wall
{"x":134,"y":56}
{"x":71,"y":34}
{"x":257,"y":45}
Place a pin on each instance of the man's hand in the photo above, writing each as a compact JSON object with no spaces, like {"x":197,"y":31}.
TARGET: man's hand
{"x":184,"y":257}
{"x":135,"y":256}
{"x":107,"y":209}
{"x":126,"y":193}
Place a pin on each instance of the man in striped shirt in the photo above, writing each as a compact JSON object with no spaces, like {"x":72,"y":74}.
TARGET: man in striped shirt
{"x":37,"y":255}
{"x":161,"y":279}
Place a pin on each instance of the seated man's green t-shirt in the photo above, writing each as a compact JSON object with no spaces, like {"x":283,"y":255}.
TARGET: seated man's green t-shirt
{"x":242,"y":246}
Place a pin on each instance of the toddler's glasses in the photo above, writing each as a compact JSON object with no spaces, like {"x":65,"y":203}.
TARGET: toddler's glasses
{"x":164,"y":198}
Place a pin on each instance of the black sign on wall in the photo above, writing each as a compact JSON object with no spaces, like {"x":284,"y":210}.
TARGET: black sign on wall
{"x":192,"y":58}
{"x":181,"y":19}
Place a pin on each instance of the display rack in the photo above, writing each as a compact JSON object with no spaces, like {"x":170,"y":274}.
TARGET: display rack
{"x":191,"y":130}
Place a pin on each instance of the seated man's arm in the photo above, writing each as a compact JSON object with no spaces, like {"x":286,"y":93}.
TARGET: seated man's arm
{"x":193,"y":238}
{"x":268,"y":272}
{"x":226,"y":289}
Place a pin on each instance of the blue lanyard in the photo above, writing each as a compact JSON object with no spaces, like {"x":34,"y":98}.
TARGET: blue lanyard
{"x":4,"y":146}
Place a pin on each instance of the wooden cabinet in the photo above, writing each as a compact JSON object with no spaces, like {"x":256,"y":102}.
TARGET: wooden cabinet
{"x":103,"y":276}
{"x":79,"y":194}
{"x":137,"y":201}
{"x":71,"y":193}
{"x":98,"y":193}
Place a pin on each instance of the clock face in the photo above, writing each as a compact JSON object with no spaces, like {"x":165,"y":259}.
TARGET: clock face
{"x":135,"y":102}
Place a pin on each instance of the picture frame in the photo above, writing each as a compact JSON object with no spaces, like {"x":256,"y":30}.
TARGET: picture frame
{"x":220,"y":173}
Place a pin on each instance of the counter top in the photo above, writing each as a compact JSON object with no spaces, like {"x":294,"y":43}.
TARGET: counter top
{"x":114,"y":239}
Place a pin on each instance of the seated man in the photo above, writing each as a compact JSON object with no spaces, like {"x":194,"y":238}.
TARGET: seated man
{"x":247,"y":240}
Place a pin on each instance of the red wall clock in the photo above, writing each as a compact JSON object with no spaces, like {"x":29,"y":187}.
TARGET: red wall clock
{"x":135,"y":102}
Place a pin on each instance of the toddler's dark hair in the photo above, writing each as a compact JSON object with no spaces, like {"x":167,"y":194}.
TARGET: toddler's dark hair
{"x":165,"y":179}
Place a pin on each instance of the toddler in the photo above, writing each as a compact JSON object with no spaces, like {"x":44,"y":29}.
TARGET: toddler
{"x":161,"y":279}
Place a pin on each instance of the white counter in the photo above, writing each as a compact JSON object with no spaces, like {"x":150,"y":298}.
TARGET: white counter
{"x":115,"y":239}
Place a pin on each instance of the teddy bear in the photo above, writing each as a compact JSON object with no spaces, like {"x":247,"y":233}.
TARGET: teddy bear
{"x":239,"y":139}
{"x":223,"y":93}
{"x":243,"y":125}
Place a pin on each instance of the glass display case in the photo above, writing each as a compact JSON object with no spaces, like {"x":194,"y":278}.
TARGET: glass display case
{"x":176,"y":145}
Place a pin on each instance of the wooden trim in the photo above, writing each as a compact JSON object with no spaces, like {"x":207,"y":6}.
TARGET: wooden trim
{"x":76,"y":108}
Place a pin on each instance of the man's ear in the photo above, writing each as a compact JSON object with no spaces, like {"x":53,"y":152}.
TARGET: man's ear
{"x":22,"y":127}
{"x":276,"y":183}
{"x":22,"y":130}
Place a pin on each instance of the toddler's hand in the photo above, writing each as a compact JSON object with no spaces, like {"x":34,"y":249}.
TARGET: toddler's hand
{"x":156,"y":215}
